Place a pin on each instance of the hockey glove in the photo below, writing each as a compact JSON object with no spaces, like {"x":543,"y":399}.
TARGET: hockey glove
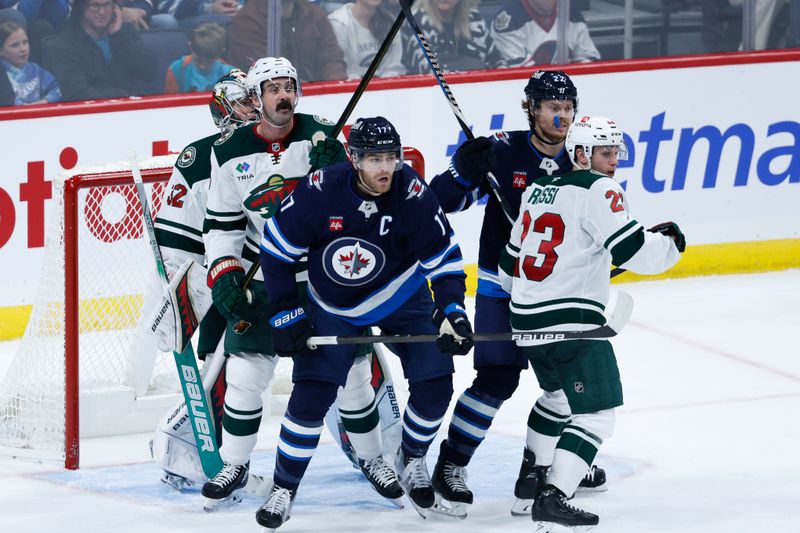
{"x":671,"y":229}
{"x":226,"y":279}
{"x":326,"y":152}
{"x":290,"y":331}
{"x":472,"y":161}
{"x":455,"y":331}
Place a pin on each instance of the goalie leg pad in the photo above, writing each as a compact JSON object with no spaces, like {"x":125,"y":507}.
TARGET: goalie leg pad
{"x":248,"y":375}
{"x":173,"y":446}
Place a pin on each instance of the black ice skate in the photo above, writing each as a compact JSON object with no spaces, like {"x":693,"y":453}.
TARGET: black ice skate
{"x":593,"y":481}
{"x":383,"y":479}
{"x":531,"y":478}
{"x":552,"y":512}
{"x":415,"y":481}
{"x":275,"y":511}
{"x":226,"y":487}
{"x":450,"y":486}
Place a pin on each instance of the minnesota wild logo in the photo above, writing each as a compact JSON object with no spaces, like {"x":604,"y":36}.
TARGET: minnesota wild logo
{"x":266,"y":198}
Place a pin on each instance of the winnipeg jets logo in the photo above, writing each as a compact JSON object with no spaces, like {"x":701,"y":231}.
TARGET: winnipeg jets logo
{"x":548,"y":165}
{"x":502,"y":137}
{"x":315,"y":180}
{"x":352,"y":262}
{"x":368,"y":208}
{"x":415,"y":188}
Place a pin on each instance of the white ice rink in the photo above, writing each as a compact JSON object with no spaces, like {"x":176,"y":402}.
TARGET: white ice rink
{"x":708,"y":439}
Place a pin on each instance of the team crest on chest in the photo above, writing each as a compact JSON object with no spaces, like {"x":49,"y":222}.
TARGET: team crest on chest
{"x":520,"y":179}
{"x":353,"y":262}
{"x":335,"y":223}
{"x":266,"y":199}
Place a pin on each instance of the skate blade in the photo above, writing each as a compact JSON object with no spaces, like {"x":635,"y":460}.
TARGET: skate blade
{"x":591,"y":490}
{"x":422,"y":511}
{"x":552,"y":527}
{"x":211,"y":505}
{"x":450,"y":509}
{"x":521,"y":507}
{"x":397,"y":502}
{"x":266,"y":529}
{"x":176,"y":482}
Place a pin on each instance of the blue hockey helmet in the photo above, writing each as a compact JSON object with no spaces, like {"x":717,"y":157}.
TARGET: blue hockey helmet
{"x":374,"y":135}
{"x":551,"y":85}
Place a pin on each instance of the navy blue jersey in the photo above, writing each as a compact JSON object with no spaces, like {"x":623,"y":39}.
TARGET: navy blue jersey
{"x":517,"y":164}
{"x":366,"y":256}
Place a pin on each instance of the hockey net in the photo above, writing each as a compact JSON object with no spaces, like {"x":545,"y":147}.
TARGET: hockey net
{"x":83,"y":367}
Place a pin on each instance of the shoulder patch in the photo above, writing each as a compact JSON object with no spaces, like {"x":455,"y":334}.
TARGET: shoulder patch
{"x":502,"y":137}
{"x":502,"y":21}
{"x":315,"y":180}
{"x":187,"y":157}
{"x":322,"y":120}
{"x":415,"y":189}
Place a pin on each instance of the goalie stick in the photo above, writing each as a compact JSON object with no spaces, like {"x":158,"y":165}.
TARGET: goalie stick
{"x":186,"y":363}
{"x":619,"y":317}
{"x":433,"y":61}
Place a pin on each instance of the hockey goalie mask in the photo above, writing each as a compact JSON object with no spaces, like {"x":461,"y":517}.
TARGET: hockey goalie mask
{"x":374,"y":136}
{"x":231,"y":105}
{"x":269,"y":69}
{"x":590,"y":132}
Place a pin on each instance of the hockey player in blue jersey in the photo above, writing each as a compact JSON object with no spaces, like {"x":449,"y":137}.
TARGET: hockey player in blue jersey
{"x":516,"y":158}
{"x":374,"y":235}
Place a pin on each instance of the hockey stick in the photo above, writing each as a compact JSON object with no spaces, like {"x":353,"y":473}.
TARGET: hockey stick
{"x":433,"y":61}
{"x":348,"y":109}
{"x":619,"y":317}
{"x":188,"y":373}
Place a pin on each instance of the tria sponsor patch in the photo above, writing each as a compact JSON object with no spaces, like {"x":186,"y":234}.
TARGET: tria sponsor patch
{"x":335,"y":223}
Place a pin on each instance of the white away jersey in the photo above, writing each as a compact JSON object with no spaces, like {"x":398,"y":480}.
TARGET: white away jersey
{"x":571,"y":229}
{"x":250,"y":177}
{"x":360,"y":46}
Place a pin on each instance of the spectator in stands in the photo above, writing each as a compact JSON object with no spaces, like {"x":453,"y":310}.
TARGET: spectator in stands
{"x":360,"y":28}
{"x":456,"y":31}
{"x":31,"y":83}
{"x":524,"y":33}
{"x":766,"y":11}
{"x":39,"y":18}
{"x":201,"y":69}
{"x":142,"y":15}
{"x":97,"y":56}
{"x":307,"y":39}
{"x":192,"y":13}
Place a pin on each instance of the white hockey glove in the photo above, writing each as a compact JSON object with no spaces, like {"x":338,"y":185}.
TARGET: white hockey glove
{"x":181,"y":309}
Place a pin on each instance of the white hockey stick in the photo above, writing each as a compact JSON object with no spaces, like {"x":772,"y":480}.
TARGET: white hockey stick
{"x":616,"y":321}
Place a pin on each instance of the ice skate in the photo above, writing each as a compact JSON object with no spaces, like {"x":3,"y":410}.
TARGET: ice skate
{"x":383,"y":479}
{"x":276,"y":510}
{"x":551,"y":512}
{"x":531,"y":478}
{"x":225,"y":488}
{"x":593,"y":481}
{"x":450,"y":487}
{"x":415,"y":481}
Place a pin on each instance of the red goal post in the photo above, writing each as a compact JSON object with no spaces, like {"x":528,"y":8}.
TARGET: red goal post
{"x":83,"y":368}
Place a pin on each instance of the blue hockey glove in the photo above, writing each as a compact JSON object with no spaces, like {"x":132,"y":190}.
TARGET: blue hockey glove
{"x":671,"y":229}
{"x":455,"y":331}
{"x":226,"y":279}
{"x":472,"y":161}
{"x":326,"y":152}
{"x":290,"y":331}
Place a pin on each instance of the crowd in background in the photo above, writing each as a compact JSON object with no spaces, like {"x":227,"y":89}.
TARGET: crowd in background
{"x":66,"y":50}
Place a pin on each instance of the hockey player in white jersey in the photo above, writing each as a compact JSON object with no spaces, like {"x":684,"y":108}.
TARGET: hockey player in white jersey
{"x":571,"y":228}
{"x":252,"y":171}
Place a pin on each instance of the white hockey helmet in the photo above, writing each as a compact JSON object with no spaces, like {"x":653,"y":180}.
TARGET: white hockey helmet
{"x":588,"y":132}
{"x":269,"y":68}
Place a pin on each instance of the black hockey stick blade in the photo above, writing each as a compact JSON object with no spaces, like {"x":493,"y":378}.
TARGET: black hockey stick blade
{"x":616,"y":321}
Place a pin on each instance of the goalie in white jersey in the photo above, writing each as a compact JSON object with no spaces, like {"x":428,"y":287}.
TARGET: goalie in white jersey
{"x":570,"y":230}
